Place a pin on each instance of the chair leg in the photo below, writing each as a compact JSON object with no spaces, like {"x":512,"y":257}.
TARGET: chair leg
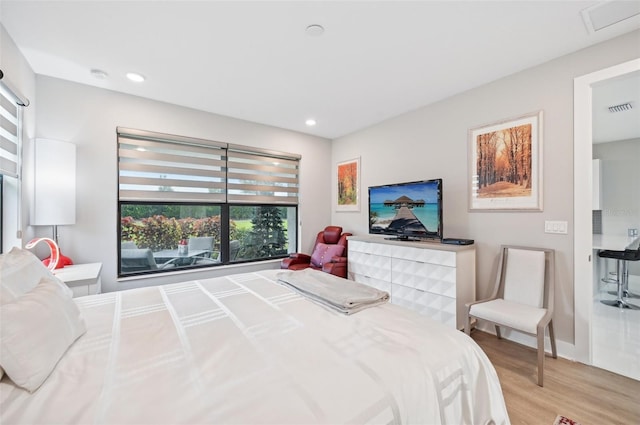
{"x":498,"y":332}
{"x":552,"y":338}
{"x":467,"y":324}
{"x":540,"y":356}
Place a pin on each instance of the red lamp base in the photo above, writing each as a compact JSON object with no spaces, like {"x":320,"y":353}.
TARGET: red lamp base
{"x":63,"y":260}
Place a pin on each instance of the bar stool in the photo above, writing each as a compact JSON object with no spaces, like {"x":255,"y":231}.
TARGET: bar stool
{"x":622,"y":277}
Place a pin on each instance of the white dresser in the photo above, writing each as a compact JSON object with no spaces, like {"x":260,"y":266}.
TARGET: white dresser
{"x":431,"y":278}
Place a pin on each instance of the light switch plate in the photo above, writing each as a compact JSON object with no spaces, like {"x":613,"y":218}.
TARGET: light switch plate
{"x":557,"y":227}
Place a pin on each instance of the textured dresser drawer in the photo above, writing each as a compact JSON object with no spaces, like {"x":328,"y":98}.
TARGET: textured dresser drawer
{"x":437,"y":307}
{"x":422,"y":255}
{"x":370,"y":248}
{"x":424,"y":276}
{"x":370,"y":265}
{"x":383,"y":285}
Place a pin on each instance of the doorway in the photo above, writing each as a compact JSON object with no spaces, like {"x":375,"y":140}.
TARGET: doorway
{"x":583,"y":239}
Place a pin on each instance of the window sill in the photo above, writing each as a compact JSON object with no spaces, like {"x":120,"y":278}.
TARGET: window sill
{"x":213,"y":271}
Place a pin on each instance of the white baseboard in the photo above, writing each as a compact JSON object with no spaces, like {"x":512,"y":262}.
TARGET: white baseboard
{"x":564,"y":349}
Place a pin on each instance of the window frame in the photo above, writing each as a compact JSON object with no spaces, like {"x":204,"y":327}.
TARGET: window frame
{"x":11,"y":164}
{"x":225,"y":239}
{"x":288,"y":197}
{"x":1,"y":213}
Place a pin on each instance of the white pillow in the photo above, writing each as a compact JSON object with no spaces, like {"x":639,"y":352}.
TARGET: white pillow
{"x":20,"y":272}
{"x":36,"y":330}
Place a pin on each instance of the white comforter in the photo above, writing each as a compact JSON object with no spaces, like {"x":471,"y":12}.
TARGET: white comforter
{"x":243,"y":349}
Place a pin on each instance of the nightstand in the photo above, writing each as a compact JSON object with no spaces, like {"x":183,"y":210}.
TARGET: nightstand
{"x":83,"y":279}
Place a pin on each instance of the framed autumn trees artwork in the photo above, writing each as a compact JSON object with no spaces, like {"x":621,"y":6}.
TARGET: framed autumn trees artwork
{"x":506,"y":165}
{"x":348,"y":185}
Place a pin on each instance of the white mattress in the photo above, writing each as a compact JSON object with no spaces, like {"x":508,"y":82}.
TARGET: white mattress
{"x":243,"y":349}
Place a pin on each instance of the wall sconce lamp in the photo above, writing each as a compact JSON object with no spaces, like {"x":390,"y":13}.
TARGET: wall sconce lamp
{"x":54,"y":188}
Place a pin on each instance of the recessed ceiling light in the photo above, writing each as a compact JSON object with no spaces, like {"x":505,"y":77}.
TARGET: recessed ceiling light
{"x":98,"y":73}
{"x":133,"y":76}
{"x":315,"y":30}
{"x":310,"y":122}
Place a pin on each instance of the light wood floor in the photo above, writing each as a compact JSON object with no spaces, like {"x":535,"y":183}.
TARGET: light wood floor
{"x":586,"y":394}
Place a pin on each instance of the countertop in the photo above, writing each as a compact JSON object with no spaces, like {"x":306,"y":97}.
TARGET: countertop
{"x":614,"y":242}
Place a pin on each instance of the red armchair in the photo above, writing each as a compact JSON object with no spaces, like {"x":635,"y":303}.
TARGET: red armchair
{"x":329,"y":254}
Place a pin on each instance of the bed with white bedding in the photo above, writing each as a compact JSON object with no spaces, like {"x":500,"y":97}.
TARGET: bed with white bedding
{"x":247,"y":349}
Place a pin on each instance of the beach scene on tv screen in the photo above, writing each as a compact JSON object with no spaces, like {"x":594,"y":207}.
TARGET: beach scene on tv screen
{"x":405,"y":209}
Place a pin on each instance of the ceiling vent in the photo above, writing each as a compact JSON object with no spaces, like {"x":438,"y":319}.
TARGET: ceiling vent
{"x":620,"y":108}
{"x":605,"y":14}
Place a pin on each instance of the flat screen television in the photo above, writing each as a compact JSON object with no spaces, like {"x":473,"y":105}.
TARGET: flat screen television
{"x":407,"y":211}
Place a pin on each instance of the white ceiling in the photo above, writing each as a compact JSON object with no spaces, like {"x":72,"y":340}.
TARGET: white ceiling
{"x":254,"y":61}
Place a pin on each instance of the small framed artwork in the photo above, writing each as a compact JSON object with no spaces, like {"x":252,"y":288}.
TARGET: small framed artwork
{"x":505,"y":165}
{"x":348,"y":193}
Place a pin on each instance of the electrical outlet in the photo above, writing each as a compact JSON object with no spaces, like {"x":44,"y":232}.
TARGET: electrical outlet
{"x":632,"y":232}
{"x":557,"y":227}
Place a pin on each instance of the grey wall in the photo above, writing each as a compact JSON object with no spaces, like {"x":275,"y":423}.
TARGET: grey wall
{"x":88,"y":117}
{"x":432,"y":142}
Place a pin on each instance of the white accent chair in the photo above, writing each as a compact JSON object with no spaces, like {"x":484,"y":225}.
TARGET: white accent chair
{"x":522,"y":298}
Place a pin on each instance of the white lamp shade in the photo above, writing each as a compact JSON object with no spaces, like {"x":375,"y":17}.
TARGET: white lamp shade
{"x":54,"y":183}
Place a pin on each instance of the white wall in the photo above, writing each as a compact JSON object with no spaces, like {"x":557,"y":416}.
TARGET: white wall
{"x":620,"y":188}
{"x":620,"y":185}
{"x":88,"y":117}
{"x":432,"y":142}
